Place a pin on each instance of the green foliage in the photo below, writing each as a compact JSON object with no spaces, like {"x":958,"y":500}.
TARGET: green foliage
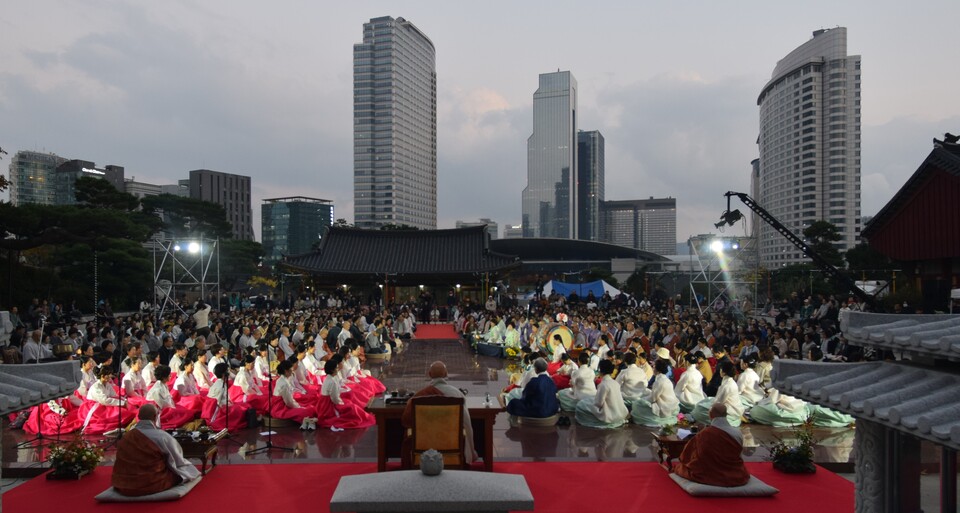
{"x":820,"y":236}
{"x":342,"y":223}
{"x":238,"y":261}
{"x":636,"y":282}
{"x":188,"y":217}
{"x":98,"y":193}
{"x":795,"y":454}
{"x":397,"y":227}
{"x":863,"y":258}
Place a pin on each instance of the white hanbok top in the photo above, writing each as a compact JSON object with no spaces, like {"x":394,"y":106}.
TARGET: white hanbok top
{"x":261,"y":369}
{"x":689,"y":388}
{"x":729,"y":394}
{"x":662,"y":398}
{"x":186,"y":384}
{"x":582,"y":383}
{"x":284,"y":390}
{"x":104,"y":394}
{"x":312,"y":366}
{"x":160,"y":394}
{"x":331,"y":388}
{"x":87,"y":379}
{"x":608,"y":405}
{"x":214,"y":362}
{"x":247,"y":382}
{"x":748,"y":384}
{"x":568,"y":368}
{"x":219,"y":392}
{"x":147,"y":374}
{"x":633,"y":382}
{"x":175,"y":362}
{"x":134,"y":385}
{"x":558,"y":350}
{"x":201,"y":376}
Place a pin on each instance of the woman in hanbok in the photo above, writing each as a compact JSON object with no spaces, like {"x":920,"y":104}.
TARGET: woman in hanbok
{"x":306,"y":381}
{"x":779,"y":410}
{"x":563,"y":376}
{"x":633,"y":380}
{"x":248,"y":389}
{"x":132,"y":386}
{"x":222,"y":413}
{"x":728,"y":393}
{"x":261,"y":367}
{"x":748,"y":383}
{"x":689,"y":388}
{"x":332,"y":410}
{"x":103,"y":410}
{"x":149,"y":370}
{"x":528,"y":374}
{"x":88,"y":376}
{"x":185,"y":391}
{"x":659,"y":407}
{"x":511,"y":338}
{"x":312,"y":365}
{"x":370,"y":385}
{"x":171,"y":415}
{"x":606,"y":410}
{"x":201,"y":374}
{"x":765,"y":367}
{"x":284,"y":406}
{"x":582,"y":385}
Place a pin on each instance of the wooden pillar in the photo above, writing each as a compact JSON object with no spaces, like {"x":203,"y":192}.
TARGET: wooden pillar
{"x":948,"y":480}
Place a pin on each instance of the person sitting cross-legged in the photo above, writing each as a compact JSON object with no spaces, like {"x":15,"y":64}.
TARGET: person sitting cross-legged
{"x":539,"y":399}
{"x":714,"y":455}
{"x":149,"y":460}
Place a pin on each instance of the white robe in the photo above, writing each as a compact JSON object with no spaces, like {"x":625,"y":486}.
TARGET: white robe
{"x":689,"y":388}
{"x":633,"y":382}
{"x":247,"y":382}
{"x":134,"y":385}
{"x":201,"y":376}
{"x":160,"y":394}
{"x":284,"y":390}
{"x":748,"y":384}
{"x":186,"y":385}
{"x":661,"y":396}
{"x":331,"y":388}
{"x":608,"y":405}
{"x":729,"y":394}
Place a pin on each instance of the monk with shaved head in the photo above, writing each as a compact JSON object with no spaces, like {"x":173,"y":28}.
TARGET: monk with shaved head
{"x":149,"y":460}
{"x":714,"y":455}
{"x":437,"y":372}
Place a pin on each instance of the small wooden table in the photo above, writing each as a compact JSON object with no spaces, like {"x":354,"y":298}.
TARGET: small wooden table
{"x":202,"y":450}
{"x":668,"y":448}
{"x":390,"y":431}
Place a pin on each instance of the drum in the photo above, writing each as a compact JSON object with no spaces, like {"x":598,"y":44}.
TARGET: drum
{"x":566,"y":335}
{"x":62,"y":350}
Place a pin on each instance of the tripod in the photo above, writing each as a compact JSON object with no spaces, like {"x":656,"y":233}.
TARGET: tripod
{"x":270,"y":445}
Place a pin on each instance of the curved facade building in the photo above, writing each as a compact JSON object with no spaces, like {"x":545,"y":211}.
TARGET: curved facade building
{"x":394,"y":126}
{"x":809,"y":166}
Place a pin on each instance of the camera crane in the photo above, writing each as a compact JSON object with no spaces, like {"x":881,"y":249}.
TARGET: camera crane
{"x":730,"y":217}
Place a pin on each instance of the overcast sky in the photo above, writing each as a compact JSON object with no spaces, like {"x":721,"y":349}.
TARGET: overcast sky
{"x":265,"y":89}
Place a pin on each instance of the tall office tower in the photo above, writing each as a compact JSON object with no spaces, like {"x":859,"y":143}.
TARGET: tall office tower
{"x":648,"y":225}
{"x":230,"y":191}
{"x":810,"y":144}
{"x":65,"y":179}
{"x":755,"y":193}
{"x":550,"y":198}
{"x":31,"y":177}
{"x":291,"y":226}
{"x":589,"y":183}
{"x":394,"y":126}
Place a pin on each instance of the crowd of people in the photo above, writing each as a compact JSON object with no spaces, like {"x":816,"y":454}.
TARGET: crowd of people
{"x":652,"y":363}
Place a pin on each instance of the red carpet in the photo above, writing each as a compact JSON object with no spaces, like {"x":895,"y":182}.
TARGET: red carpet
{"x":557,"y":487}
{"x":436,"y":332}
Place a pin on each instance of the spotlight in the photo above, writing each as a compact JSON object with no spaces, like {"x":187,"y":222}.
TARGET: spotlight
{"x":735,"y":245}
{"x":176,"y":247}
{"x":716,"y":246}
{"x":193,"y":247}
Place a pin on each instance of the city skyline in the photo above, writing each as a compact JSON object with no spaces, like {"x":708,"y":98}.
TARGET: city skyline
{"x":163,"y":89}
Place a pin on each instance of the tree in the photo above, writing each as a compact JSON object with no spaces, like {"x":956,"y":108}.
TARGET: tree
{"x":636,"y":282}
{"x":99,"y":193}
{"x":188,"y":217}
{"x":821,"y":235}
{"x":342,"y":223}
{"x":863,"y":258}
{"x":3,"y":180}
{"x":238,"y":261}
{"x":398,"y":227}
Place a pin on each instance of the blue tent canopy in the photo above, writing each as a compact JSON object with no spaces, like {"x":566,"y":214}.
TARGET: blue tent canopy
{"x":582,"y":289}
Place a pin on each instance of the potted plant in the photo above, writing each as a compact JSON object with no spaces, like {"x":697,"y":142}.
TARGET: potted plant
{"x":794,"y":455}
{"x":74,"y":459}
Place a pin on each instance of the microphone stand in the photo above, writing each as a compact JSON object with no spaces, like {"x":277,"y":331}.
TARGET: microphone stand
{"x":270,"y":445}
{"x":39,"y":438}
{"x":226,"y":421}
{"x":119,"y":432}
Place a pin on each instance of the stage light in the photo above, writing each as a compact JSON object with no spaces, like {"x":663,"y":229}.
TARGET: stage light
{"x":421,"y":287}
{"x":176,"y":247}
{"x":716,"y":246}
{"x":458,"y":286}
{"x":735,"y":245}
{"x":193,"y":247}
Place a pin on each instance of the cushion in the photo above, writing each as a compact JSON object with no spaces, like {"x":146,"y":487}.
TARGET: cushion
{"x":753,"y":488}
{"x":537,"y":421}
{"x":173,"y":494}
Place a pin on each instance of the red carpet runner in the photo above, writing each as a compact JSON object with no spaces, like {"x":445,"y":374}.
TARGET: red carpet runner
{"x":557,"y":487}
{"x":436,"y":332}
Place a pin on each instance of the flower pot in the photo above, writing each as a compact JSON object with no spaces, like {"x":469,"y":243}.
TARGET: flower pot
{"x":790,"y":466}
{"x":66,"y":474}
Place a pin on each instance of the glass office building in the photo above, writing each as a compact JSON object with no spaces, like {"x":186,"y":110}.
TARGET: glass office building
{"x":648,"y":225}
{"x":394,"y":126}
{"x":589,"y":183}
{"x":31,"y":177}
{"x":809,"y":166}
{"x":291,"y":226}
{"x":550,"y":197}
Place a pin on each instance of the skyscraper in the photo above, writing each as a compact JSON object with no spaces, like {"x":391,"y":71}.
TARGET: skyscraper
{"x":589,"y":183}
{"x":291,"y":226}
{"x":32,"y":177}
{"x":230,"y":191}
{"x":394,"y":126}
{"x":550,"y":198}
{"x":648,"y":225}
{"x":810,"y":144}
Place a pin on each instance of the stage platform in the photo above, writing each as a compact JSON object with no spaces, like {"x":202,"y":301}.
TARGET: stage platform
{"x":557,"y":487}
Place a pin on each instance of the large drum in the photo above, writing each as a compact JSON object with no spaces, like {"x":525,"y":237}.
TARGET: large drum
{"x":566,"y":335}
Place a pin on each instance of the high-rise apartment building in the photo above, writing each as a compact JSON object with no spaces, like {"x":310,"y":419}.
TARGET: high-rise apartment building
{"x":810,"y":144}
{"x":589,"y":183}
{"x":648,"y":225}
{"x":291,"y":226}
{"x":230,"y":191}
{"x":550,"y":197}
{"x":31,"y":176}
{"x":394,"y":126}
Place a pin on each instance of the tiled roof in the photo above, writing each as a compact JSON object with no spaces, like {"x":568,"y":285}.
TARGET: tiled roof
{"x":915,"y":400}
{"x":351,"y":251}
{"x":933,"y":336}
{"x":27,"y":385}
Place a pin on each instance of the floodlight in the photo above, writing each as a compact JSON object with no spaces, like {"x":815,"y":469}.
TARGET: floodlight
{"x":193,"y":247}
{"x":716,"y":246}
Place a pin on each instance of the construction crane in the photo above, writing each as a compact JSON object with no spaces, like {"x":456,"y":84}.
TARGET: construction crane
{"x":731,"y":217}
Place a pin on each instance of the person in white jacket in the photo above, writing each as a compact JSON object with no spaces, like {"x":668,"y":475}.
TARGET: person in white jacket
{"x":748,"y":383}
{"x":606,"y":410}
{"x":660,"y":406}
{"x":582,"y":385}
{"x":728,"y":393}
{"x":689,"y":388}
{"x":632,"y":380}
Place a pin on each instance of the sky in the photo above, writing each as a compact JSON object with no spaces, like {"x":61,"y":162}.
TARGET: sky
{"x":265,"y":89}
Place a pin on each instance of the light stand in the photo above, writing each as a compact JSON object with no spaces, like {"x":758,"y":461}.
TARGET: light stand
{"x":270,"y":445}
